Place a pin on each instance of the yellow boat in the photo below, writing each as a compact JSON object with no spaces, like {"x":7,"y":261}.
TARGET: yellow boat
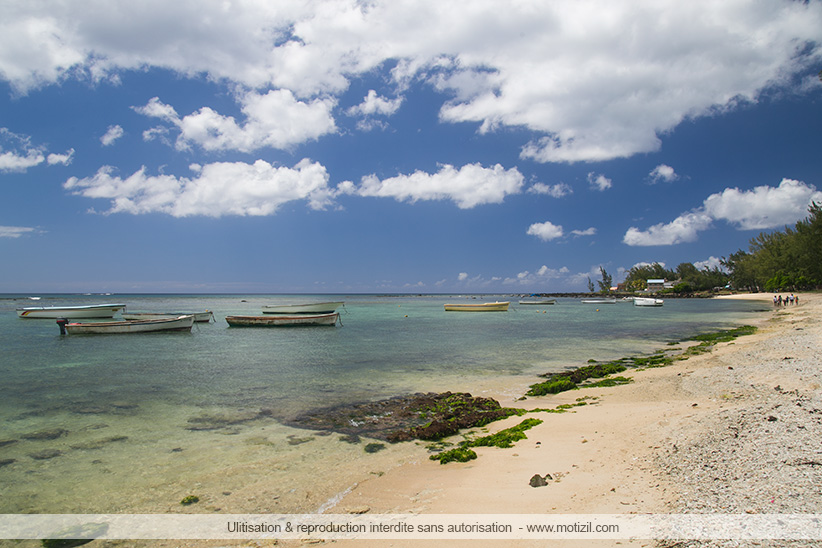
{"x":478,"y":307}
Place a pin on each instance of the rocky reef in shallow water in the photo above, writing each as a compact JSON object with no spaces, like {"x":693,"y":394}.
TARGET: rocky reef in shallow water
{"x":427,"y":416}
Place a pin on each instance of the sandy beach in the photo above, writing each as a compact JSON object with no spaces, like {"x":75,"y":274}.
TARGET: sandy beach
{"x":734,"y":430}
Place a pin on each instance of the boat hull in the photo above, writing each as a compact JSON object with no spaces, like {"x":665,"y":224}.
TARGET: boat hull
{"x":180,"y":323}
{"x":540,"y":302}
{"x":71,"y":312}
{"x":308,"y":308}
{"x":198,"y":316}
{"x":283,"y":321}
{"x":479,"y":307}
{"x":598,"y":301}
{"x":642,"y":301}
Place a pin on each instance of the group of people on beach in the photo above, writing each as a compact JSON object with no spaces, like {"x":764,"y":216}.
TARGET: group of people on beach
{"x":789,"y":299}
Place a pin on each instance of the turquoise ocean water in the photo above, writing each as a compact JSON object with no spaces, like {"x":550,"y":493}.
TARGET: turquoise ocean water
{"x":109,"y":423}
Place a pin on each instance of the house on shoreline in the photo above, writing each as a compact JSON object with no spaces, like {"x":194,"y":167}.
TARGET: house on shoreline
{"x":658,"y":284}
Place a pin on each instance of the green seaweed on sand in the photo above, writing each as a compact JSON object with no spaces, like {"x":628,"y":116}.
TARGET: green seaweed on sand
{"x":459,"y":454}
{"x":504,"y":438}
{"x":727,"y":335}
{"x":575,"y":378}
{"x":708,"y":340}
{"x":569,"y":380}
{"x":610,"y":381}
{"x":190,"y":499}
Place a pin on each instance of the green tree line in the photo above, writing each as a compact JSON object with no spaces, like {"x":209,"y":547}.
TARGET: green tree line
{"x":787,"y":260}
{"x":690,"y":278}
{"x":775,"y":261}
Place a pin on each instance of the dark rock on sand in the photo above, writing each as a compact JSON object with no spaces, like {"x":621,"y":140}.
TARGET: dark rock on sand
{"x":537,"y":481}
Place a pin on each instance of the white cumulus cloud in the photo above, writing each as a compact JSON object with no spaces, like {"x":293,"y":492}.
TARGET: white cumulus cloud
{"x":764,"y":206}
{"x":599,"y":181}
{"x":709,"y":263}
{"x":111,"y":135}
{"x":591,"y":79}
{"x":62,"y":159}
{"x":555,"y":191}
{"x":217,"y":190}
{"x":684,"y":228}
{"x":545,"y":231}
{"x":18,"y":153}
{"x":374,"y":105}
{"x":760,"y":208}
{"x":664,"y":173}
{"x":276,"y":119}
{"x":469,"y":186}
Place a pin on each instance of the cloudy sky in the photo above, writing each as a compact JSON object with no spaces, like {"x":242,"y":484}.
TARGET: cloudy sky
{"x":397,"y":145}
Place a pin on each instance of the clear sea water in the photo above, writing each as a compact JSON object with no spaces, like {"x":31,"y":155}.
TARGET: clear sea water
{"x":107,"y":423}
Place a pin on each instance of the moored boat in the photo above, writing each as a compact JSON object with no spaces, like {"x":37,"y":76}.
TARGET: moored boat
{"x":538,"y":301}
{"x":283,"y":320}
{"x":305,"y":308}
{"x":598,"y":300}
{"x":180,"y":323}
{"x":80,"y":311}
{"x":198,"y":316}
{"x":647,"y":301}
{"x":477,"y":307}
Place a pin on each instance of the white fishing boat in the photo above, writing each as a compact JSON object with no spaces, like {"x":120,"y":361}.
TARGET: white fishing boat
{"x":539,"y":302}
{"x":305,"y":308}
{"x":600,"y":300}
{"x":478,"y":307}
{"x":81,"y":311}
{"x":647,"y":301}
{"x":283,"y":320}
{"x":180,"y":323}
{"x":198,"y":316}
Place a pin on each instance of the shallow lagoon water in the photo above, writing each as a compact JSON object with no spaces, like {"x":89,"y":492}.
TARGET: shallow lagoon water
{"x":133,"y":423}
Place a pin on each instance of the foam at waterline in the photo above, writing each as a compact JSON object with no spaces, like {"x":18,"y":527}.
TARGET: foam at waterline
{"x":335,"y":500}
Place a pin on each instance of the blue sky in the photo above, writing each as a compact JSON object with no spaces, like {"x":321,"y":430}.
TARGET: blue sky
{"x":397,"y":146}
